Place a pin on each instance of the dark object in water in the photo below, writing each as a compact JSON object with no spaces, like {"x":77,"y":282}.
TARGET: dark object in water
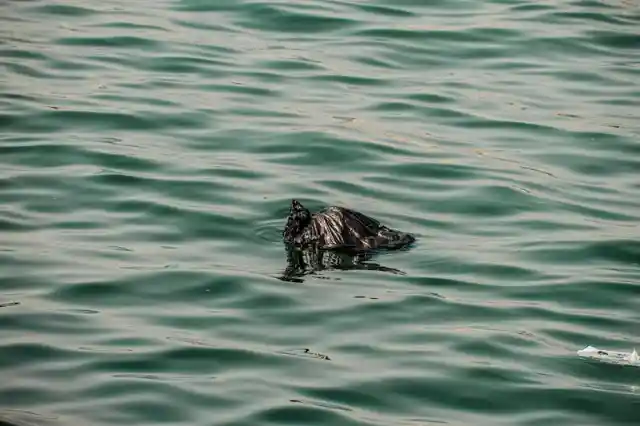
{"x":340,"y":228}
{"x":336,"y":238}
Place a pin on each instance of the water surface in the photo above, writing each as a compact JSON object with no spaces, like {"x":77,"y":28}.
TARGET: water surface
{"x":149,"y":152}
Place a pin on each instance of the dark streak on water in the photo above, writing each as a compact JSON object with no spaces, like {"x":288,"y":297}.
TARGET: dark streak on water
{"x":149,"y":151}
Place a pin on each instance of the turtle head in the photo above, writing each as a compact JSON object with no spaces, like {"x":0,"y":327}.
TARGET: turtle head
{"x":299,"y":218}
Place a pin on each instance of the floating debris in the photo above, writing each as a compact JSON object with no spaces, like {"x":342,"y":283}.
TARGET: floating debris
{"x":610,"y":357}
{"x":306,"y":352}
{"x":317,"y":354}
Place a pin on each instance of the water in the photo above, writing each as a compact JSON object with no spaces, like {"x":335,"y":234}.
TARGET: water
{"x":149,"y":153}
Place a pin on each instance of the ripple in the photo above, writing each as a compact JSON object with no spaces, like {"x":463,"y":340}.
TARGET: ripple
{"x":149,"y":155}
{"x":65,"y":10}
{"x":268,"y":17}
{"x":269,"y":232}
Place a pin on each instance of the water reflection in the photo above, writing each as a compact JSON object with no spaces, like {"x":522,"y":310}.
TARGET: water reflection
{"x":310,"y":261}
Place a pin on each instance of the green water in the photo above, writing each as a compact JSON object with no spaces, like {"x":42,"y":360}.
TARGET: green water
{"x":149,"y":151}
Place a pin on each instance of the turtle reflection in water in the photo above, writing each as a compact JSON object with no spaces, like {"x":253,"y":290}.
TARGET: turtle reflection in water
{"x":336,"y":238}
